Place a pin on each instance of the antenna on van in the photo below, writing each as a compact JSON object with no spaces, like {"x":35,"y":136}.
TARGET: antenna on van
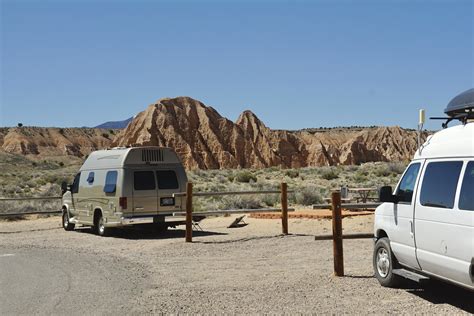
{"x":421,"y":122}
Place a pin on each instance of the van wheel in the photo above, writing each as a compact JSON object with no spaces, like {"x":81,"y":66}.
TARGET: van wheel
{"x":99,"y":225}
{"x":67,"y":225}
{"x":384,"y":262}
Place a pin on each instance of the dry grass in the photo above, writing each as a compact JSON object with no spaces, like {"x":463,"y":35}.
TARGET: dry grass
{"x":22,"y":176}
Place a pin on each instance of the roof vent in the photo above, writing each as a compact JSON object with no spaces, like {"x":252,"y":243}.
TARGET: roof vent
{"x":152,"y":155}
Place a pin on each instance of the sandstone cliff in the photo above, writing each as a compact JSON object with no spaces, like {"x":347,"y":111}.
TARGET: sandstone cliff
{"x":44,"y":141}
{"x":204,"y":139}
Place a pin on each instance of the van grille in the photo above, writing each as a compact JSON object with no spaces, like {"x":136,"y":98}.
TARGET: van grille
{"x":152,"y":155}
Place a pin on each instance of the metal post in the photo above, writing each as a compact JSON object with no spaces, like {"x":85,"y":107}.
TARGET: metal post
{"x":284,"y":208}
{"x":337,"y":234}
{"x":189,"y":212}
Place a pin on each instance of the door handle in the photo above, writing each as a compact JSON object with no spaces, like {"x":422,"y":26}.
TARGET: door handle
{"x":411,"y":228}
{"x":139,"y":208}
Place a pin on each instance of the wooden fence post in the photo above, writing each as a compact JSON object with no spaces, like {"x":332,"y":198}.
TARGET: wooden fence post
{"x":337,"y":234}
{"x":189,"y":212}
{"x":284,"y":208}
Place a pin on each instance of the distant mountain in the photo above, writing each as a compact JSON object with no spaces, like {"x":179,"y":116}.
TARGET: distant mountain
{"x":206,"y":140}
{"x":115,"y":124}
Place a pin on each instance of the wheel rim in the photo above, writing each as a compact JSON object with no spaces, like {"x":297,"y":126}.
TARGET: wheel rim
{"x":383,"y":262}
{"x":65,"y":220}
{"x":101,"y":225}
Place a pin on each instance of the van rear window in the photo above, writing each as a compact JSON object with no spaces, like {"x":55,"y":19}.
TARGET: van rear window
{"x":466,"y":199}
{"x":144,"y":180}
{"x":167,"y":179}
{"x":440,"y":184}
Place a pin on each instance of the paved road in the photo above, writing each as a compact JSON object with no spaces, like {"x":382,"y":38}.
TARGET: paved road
{"x":50,"y":281}
{"x":46,"y":270}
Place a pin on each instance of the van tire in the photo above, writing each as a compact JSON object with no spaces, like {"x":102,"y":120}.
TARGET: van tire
{"x":67,"y":225}
{"x":384,"y":263}
{"x":99,"y":225}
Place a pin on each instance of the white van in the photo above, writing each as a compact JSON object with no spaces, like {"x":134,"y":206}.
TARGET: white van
{"x":124,"y":186}
{"x":426,"y":227}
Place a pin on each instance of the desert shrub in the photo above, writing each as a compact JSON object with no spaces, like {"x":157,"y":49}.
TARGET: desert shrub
{"x":61,"y":164}
{"x":329,"y":174}
{"x":105,"y":135}
{"x":359,"y":178}
{"x":292,"y":173}
{"x":308,"y":196}
{"x":241,"y":202}
{"x":270,"y":199}
{"x":396,"y":167}
{"x":245,"y":177}
{"x":382,"y":171}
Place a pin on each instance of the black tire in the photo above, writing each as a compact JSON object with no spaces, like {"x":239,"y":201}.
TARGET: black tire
{"x":67,"y":225}
{"x":160,"y":228}
{"x":384,"y":263}
{"x":99,"y":227}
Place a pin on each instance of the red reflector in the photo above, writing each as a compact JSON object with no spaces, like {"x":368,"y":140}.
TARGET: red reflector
{"x":123,"y":202}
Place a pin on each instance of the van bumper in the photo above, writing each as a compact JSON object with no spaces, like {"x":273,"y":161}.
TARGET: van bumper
{"x":127,"y":221}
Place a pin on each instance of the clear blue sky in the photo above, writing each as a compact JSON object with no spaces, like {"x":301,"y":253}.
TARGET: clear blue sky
{"x":295,"y":64}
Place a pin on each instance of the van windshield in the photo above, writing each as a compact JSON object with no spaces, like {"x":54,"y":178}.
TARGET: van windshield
{"x":407,"y":185}
{"x":167,"y":180}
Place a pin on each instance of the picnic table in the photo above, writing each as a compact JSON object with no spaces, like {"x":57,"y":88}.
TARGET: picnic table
{"x":363,"y":194}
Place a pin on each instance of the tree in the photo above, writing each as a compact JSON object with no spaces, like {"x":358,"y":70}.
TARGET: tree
{"x":20,"y":124}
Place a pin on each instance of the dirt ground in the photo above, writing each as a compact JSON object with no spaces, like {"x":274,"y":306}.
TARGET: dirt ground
{"x":250,"y":269}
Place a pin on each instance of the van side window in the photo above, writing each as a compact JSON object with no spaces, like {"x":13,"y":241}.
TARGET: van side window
{"x":440,"y":184}
{"x":407,"y":185}
{"x":144,"y":180}
{"x":167,"y":179}
{"x":110,"y":182}
{"x":90,"y":178}
{"x":466,"y":199}
{"x":75,"y":184}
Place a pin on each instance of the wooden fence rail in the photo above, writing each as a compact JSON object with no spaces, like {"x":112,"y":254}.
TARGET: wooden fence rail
{"x":189,"y":194}
{"x":26,"y":198}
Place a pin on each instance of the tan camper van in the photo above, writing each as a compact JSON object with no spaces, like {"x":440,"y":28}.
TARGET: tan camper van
{"x":124,"y":186}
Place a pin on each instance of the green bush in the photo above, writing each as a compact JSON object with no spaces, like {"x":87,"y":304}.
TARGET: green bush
{"x":329,"y":174}
{"x":245,"y":177}
{"x":292,"y":173}
{"x":308,"y":196}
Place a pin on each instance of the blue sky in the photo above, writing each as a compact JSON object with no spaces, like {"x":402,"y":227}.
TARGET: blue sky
{"x":296,"y":64}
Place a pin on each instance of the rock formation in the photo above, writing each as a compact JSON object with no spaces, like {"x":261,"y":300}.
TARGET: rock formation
{"x":44,"y":141}
{"x":204,"y":139}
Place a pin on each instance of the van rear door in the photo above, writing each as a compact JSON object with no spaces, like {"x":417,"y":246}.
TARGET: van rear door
{"x":145,"y":196}
{"x":167,"y":185}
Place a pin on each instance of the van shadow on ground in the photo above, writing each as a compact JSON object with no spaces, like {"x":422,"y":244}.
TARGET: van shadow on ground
{"x":437,"y":292}
{"x":150,"y":234}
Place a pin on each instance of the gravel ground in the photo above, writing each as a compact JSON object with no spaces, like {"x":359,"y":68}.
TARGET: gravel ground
{"x":250,"y":269}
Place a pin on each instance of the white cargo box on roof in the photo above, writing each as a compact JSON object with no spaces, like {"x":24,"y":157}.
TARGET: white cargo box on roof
{"x":122,"y":157}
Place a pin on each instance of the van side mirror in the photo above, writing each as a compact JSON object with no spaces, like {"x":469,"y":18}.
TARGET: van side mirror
{"x":386,"y":195}
{"x":64,"y":187}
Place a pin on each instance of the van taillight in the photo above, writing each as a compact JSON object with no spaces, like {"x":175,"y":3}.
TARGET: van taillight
{"x":123,"y":203}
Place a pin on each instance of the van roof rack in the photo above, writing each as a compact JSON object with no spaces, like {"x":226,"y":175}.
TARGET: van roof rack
{"x":460,"y":108}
